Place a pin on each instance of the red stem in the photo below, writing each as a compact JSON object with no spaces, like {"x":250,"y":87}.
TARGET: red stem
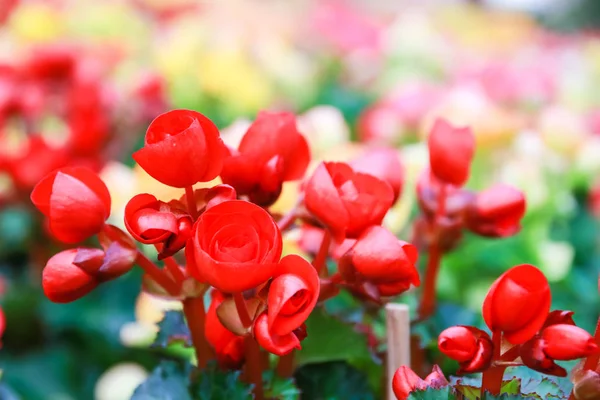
{"x":157,"y":274}
{"x":240,"y":305}
{"x":285,"y":365}
{"x":592,"y":361}
{"x":195,"y":314}
{"x":492,"y":377}
{"x":191,"y":202}
{"x":321,"y":257}
{"x":171,"y":266}
{"x":253,"y":368}
{"x":287,"y":220}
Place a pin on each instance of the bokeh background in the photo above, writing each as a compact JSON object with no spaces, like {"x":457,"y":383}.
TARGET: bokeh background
{"x":81,"y":80}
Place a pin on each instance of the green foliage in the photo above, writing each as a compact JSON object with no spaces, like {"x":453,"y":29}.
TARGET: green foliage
{"x":333,"y":380}
{"x":278,"y":388}
{"x":446,"y":393}
{"x":172,"y":329}
{"x":168,"y":381}
{"x":215,"y":384}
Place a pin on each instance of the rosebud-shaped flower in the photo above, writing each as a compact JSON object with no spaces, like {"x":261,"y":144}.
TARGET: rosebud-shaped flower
{"x":405,"y":381}
{"x":518,"y":303}
{"x":75,"y":201}
{"x":181,"y":148}
{"x":567,"y":342}
{"x":235,"y":246}
{"x":293,"y":294}
{"x":279,"y":345}
{"x":63,"y":281}
{"x":229,"y":347}
{"x":383,"y":163}
{"x":450,"y":152}
{"x":470,"y":346}
{"x":345,"y":201}
{"x":496,"y":212}
{"x":271,"y":152}
{"x":380,"y":258}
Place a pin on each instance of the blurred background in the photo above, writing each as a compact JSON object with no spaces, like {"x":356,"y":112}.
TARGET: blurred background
{"x":81,"y":80}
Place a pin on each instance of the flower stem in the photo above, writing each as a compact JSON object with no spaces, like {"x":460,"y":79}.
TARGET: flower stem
{"x":287,"y":220}
{"x":492,"y":377}
{"x":240,"y":305}
{"x":191,"y":202}
{"x":321,"y":257}
{"x":157,"y":274}
{"x":285,"y":365}
{"x":253,"y":367}
{"x":171,"y":266}
{"x":195,"y":314}
{"x":592,"y":361}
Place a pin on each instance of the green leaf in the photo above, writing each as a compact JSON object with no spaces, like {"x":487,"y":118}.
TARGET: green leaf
{"x":168,"y":381}
{"x":333,"y":380}
{"x":507,"y":396}
{"x":278,"y":388}
{"x":537,"y":385}
{"x":172,"y":329}
{"x":512,"y":386}
{"x":214,"y":384}
{"x":446,"y":393}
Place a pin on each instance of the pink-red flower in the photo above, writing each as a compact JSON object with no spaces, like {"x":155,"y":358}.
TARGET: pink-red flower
{"x":405,"y":381}
{"x":383,"y":163}
{"x":345,"y":201}
{"x":63,"y":281}
{"x":451,"y":151}
{"x":75,"y":201}
{"x":276,"y":344}
{"x":496,"y":212}
{"x":181,"y":148}
{"x":229,"y":347}
{"x":518,"y":303}
{"x":470,"y":346}
{"x":235,"y":246}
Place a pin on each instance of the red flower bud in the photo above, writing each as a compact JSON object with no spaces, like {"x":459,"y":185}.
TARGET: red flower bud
{"x":496,"y":212}
{"x":345,"y":201}
{"x":63,"y":281}
{"x":279,"y":345}
{"x":405,"y":381}
{"x":292,"y":295}
{"x":229,"y":347}
{"x":471,"y":347}
{"x":450,"y":152}
{"x":383,"y":163}
{"x":379,"y":257}
{"x":559,"y":317}
{"x":518,"y":303}
{"x":181,"y":148}
{"x":235,"y":246}
{"x":533,"y":356}
{"x":271,"y":152}
{"x":76,"y":202}
{"x":567,"y":342}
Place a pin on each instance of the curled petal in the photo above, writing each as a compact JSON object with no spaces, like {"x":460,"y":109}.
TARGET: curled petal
{"x":63,"y":281}
{"x":275,"y":344}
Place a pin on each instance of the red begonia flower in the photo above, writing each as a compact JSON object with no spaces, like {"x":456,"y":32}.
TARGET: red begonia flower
{"x":63,"y":281}
{"x":405,"y":381}
{"x":496,"y":212}
{"x":383,"y":163}
{"x":518,"y":303}
{"x":470,"y":346}
{"x":567,"y":342}
{"x":229,"y":347}
{"x":450,"y":152}
{"x":271,"y":152}
{"x":277,"y":344}
{"x":293,"y":294}
{"x":35,"y":162}
{"x":345,"y":201}
{"x":380,"y":258}
{"x":181,"y":148}
{"x":75,"y":201}
{"x":235,"y":246}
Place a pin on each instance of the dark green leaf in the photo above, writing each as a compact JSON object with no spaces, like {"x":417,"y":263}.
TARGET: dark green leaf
{"x":168,"y":381}
{"x":214,"y":384}
{"x":333,"y":380}
{"x":172,"y":329}
{"x":506,"y":396}
{"x":446,"y":393}
{"x":536,"y":384}
{"x":278,"y":388}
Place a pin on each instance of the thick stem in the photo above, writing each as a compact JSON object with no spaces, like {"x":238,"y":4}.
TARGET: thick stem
{"x":253,"y":368}
{"x":195,"y":314}
{"x":191,"y":202}
{"x":157,"y":274}
{"x":171,"y":266}
{"x":240,"y":305}
{"x":287,"y":220}
{"x":492,"y":377}
{"x":321,"y":257}
{"x":285,"y":365}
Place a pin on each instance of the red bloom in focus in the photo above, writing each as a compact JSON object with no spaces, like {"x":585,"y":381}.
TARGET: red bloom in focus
{"x":271,"y":152}
{"x":182,"y":147}
{"x":276,"y":344}
{"x":228,"y":346}
{"x":75,"y":201}
{"x":379,"y":257}
{"x":470,"y":346}
{"x":496,"y":212}
{"x":293,"y":294}
{"x":450,"y":152}
{"x":383,"y":163}
{"x":63,"y":281}
{"x":405,"y":381}
{"x":345,"y":201}
{"x":518,"y":303}
{"x":235,"y":246}
{"x":151,"y":221}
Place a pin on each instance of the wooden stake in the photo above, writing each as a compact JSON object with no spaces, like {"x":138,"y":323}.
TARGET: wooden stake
{"x":398,"y":340}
